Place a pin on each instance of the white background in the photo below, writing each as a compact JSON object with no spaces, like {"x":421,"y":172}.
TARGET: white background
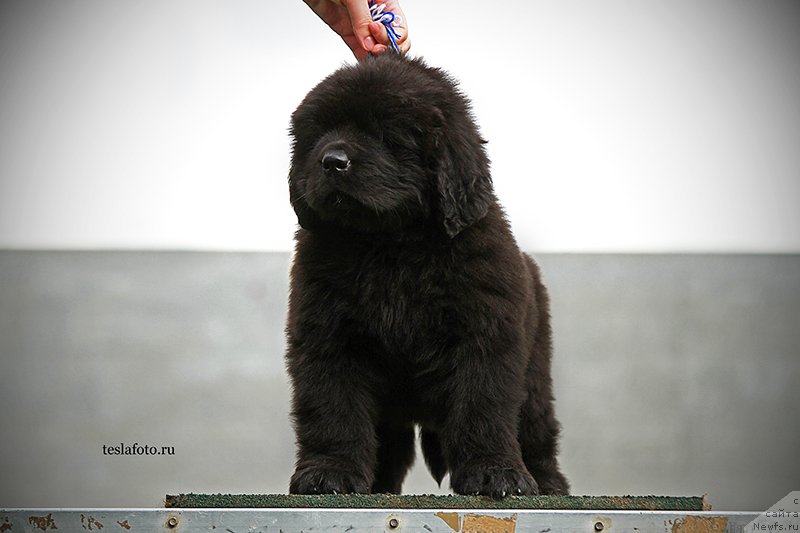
{"x":619,"y":126}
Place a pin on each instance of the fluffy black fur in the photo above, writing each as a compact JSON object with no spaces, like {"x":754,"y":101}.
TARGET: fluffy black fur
{"x":411,"y":303}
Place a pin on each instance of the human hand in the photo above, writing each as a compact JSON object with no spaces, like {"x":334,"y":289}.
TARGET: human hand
{"x":352,"y":20}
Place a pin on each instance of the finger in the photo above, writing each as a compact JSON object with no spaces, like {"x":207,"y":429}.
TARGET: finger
{"x":404,"y":43}
{"x":361,"y":20}
{"x":381,"y":36}
{"x":380,"y":33}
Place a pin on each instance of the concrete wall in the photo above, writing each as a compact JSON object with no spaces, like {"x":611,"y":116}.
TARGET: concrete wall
{"x":675,"y":374}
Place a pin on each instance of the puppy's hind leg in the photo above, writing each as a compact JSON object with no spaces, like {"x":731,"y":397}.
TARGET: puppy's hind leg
{"x":538,"y":435}
{"x":395,"y":457}
{"x":538,"y":427}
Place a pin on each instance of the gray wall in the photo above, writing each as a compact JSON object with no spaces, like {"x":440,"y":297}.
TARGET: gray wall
{"x":675,"y":374}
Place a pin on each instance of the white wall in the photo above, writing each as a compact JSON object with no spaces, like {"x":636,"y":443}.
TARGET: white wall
{"x":613,"y":126}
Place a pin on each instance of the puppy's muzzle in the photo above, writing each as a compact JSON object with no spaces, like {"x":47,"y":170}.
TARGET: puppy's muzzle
{"x":335,"y":162}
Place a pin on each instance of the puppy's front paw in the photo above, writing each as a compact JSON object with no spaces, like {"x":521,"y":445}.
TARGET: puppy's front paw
{"x":313,"y":480}
{"x":497,"y":482}
{"x":552,"y":482}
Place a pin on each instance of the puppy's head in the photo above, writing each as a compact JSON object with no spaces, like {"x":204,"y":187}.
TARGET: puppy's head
{"x":386,"y":145}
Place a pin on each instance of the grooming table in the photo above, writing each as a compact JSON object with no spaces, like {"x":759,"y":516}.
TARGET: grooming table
{"x":281,"y":513}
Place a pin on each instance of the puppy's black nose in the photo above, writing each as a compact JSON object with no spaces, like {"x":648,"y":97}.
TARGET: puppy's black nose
{"x":335,"y":162}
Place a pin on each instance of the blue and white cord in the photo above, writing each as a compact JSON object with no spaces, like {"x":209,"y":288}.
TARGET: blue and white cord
{"x":389,"y":21}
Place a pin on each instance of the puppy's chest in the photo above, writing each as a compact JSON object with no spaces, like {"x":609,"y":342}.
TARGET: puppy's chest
{"x":400,"y":301}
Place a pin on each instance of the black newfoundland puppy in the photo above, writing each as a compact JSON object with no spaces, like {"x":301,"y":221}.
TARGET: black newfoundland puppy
{"x":411,"y":303}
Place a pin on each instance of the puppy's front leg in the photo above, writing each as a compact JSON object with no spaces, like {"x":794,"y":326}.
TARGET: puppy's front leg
{"x":334,"y":423}
{"x":479,"y":435}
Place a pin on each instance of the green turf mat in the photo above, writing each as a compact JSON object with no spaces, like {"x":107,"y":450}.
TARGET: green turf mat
{"x":391,"y":501}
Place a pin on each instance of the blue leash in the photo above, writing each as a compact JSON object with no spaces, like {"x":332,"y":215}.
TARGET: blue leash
{"x":388,"y":19}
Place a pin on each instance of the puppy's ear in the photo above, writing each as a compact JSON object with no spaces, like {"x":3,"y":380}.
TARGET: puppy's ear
{"x":463,"y":181}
